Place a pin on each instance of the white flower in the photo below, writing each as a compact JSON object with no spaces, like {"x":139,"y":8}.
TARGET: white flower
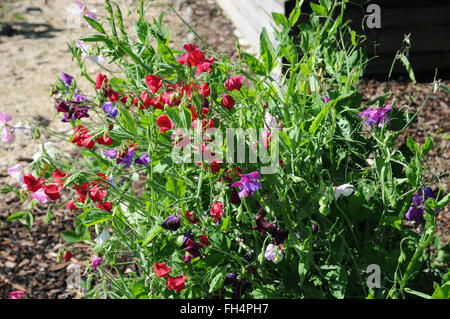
{"x":274,"y":253}
{"x":51,"y":151}
{"x":103,"y":237}
{"x":345,"y":190}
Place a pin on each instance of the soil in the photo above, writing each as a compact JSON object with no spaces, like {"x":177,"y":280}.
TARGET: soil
{"x":33,"y":50}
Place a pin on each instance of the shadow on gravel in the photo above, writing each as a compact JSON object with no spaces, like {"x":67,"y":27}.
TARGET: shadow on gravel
{"x":28,"y":30}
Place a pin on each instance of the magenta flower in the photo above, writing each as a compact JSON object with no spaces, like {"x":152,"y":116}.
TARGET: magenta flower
{"x":18,"y":294}
{"x":373,"y":117}
{"x":7,"y":136}
{"x":96,"y":261}
{"x":248,"y":184}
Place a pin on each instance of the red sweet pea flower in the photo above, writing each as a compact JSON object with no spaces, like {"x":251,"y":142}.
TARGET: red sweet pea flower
{"x":204,"y":90}
{"x":104,"y":139}
{"x":205,"y":66}
{"x":154,"y":82}
{"x":228,"y":102}
{"x":204,"y":240}
{"x":58,"y":177}
{"x":99,"y":80}
{"x":105,"y":206}
{"x":71,"y":206}
{"x":113,"y":96}
{"x":32,"y":183}
{"x":215,"y":166}
{"x":183,"y":59}
{"x":81,"y":137}
{"x":67,"y":256}
{"x":177,"y":283}
{"x":164,"y":123}
{"x":234,"y":83}
{"x":52,"y":191}
{"x":161,"y":269}
{"x":97,"y":193}
{"x":195,"y":55}
{"x":82,"y":191}
{"x":191,"y":217}
{"x":217,"y":211}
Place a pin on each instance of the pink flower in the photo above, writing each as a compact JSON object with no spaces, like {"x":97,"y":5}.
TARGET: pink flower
{"x":7,"y":137}
{"x":18,"y":294}
{"x":5,"y":118}
{"x":41,"y":196}
{"x":15,"y":172}
{"x":96,"y":261}
{"x":217,"y":211}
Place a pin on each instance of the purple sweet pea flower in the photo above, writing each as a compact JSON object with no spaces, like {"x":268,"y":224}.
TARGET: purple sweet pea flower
{"x":248,"y":184}
{"x":261,"y":225}
{"x":111,"y":154}
{"x":171,"y":223}
{"x":79,"y":111}
{"x":326,"y":99}
{"x":78,"y":97}
{"x":109,"y":108}
{"x":193,"y":248}
{"x":373,"y":117}
{"x":415,"y":213}
{"x":67,"y":79}
{"x":143,"y":160}
{"x":126,"y":159}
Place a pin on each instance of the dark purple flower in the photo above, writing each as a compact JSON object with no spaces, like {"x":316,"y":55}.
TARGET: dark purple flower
{"x":315,"y":229}
{"x":415,"y":213}
{"x":79,"y":111}
{"x":248,"y":184}
{"x":261,"y":225}
{"x":231,"y":279}
{"x":62,"y":106}
{"x":428,"y":193}
{"x":278,"y":235}
{"x":67,"y":79}
{"x":417,"y":200}
{"x":240,"y":288}
{"x":143,"y":160}
{"x":187,"y":258}
{"x":126,"y":159}
{"x":171,"y":223}
{"x":193,"y":247}
{"x":373,"y":117}
{"x":111,"y":154}
{"x":186,"y":236}
{"x":109,"y":108}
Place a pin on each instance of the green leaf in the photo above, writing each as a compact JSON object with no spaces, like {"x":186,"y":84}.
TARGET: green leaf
{"x":166,"y":54}
{"x":16,"y":216}
{"x":176,"y":185}
{"x":151,"y":234}
{"x":217,"y":281}
{"x":320,"y":10}
{"x":254,"y":64}
{"x":318,"y":120}
{"x":408,"y":67}
{"x":412,"y":145}
{"x":71,"y":236}
{"x":93,"y":38}
{"x":293,"y":17}
{"x":444,"y":201}
{"x":426,"y":147}
{"x":280,"y":19}
{"x":267,"y":51}
{"x":337,"y":281}
{"x":97,"y":26}
{"x":96,"y":216}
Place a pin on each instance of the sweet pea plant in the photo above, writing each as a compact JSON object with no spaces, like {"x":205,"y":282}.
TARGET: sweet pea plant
{"x":205,"y":225}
